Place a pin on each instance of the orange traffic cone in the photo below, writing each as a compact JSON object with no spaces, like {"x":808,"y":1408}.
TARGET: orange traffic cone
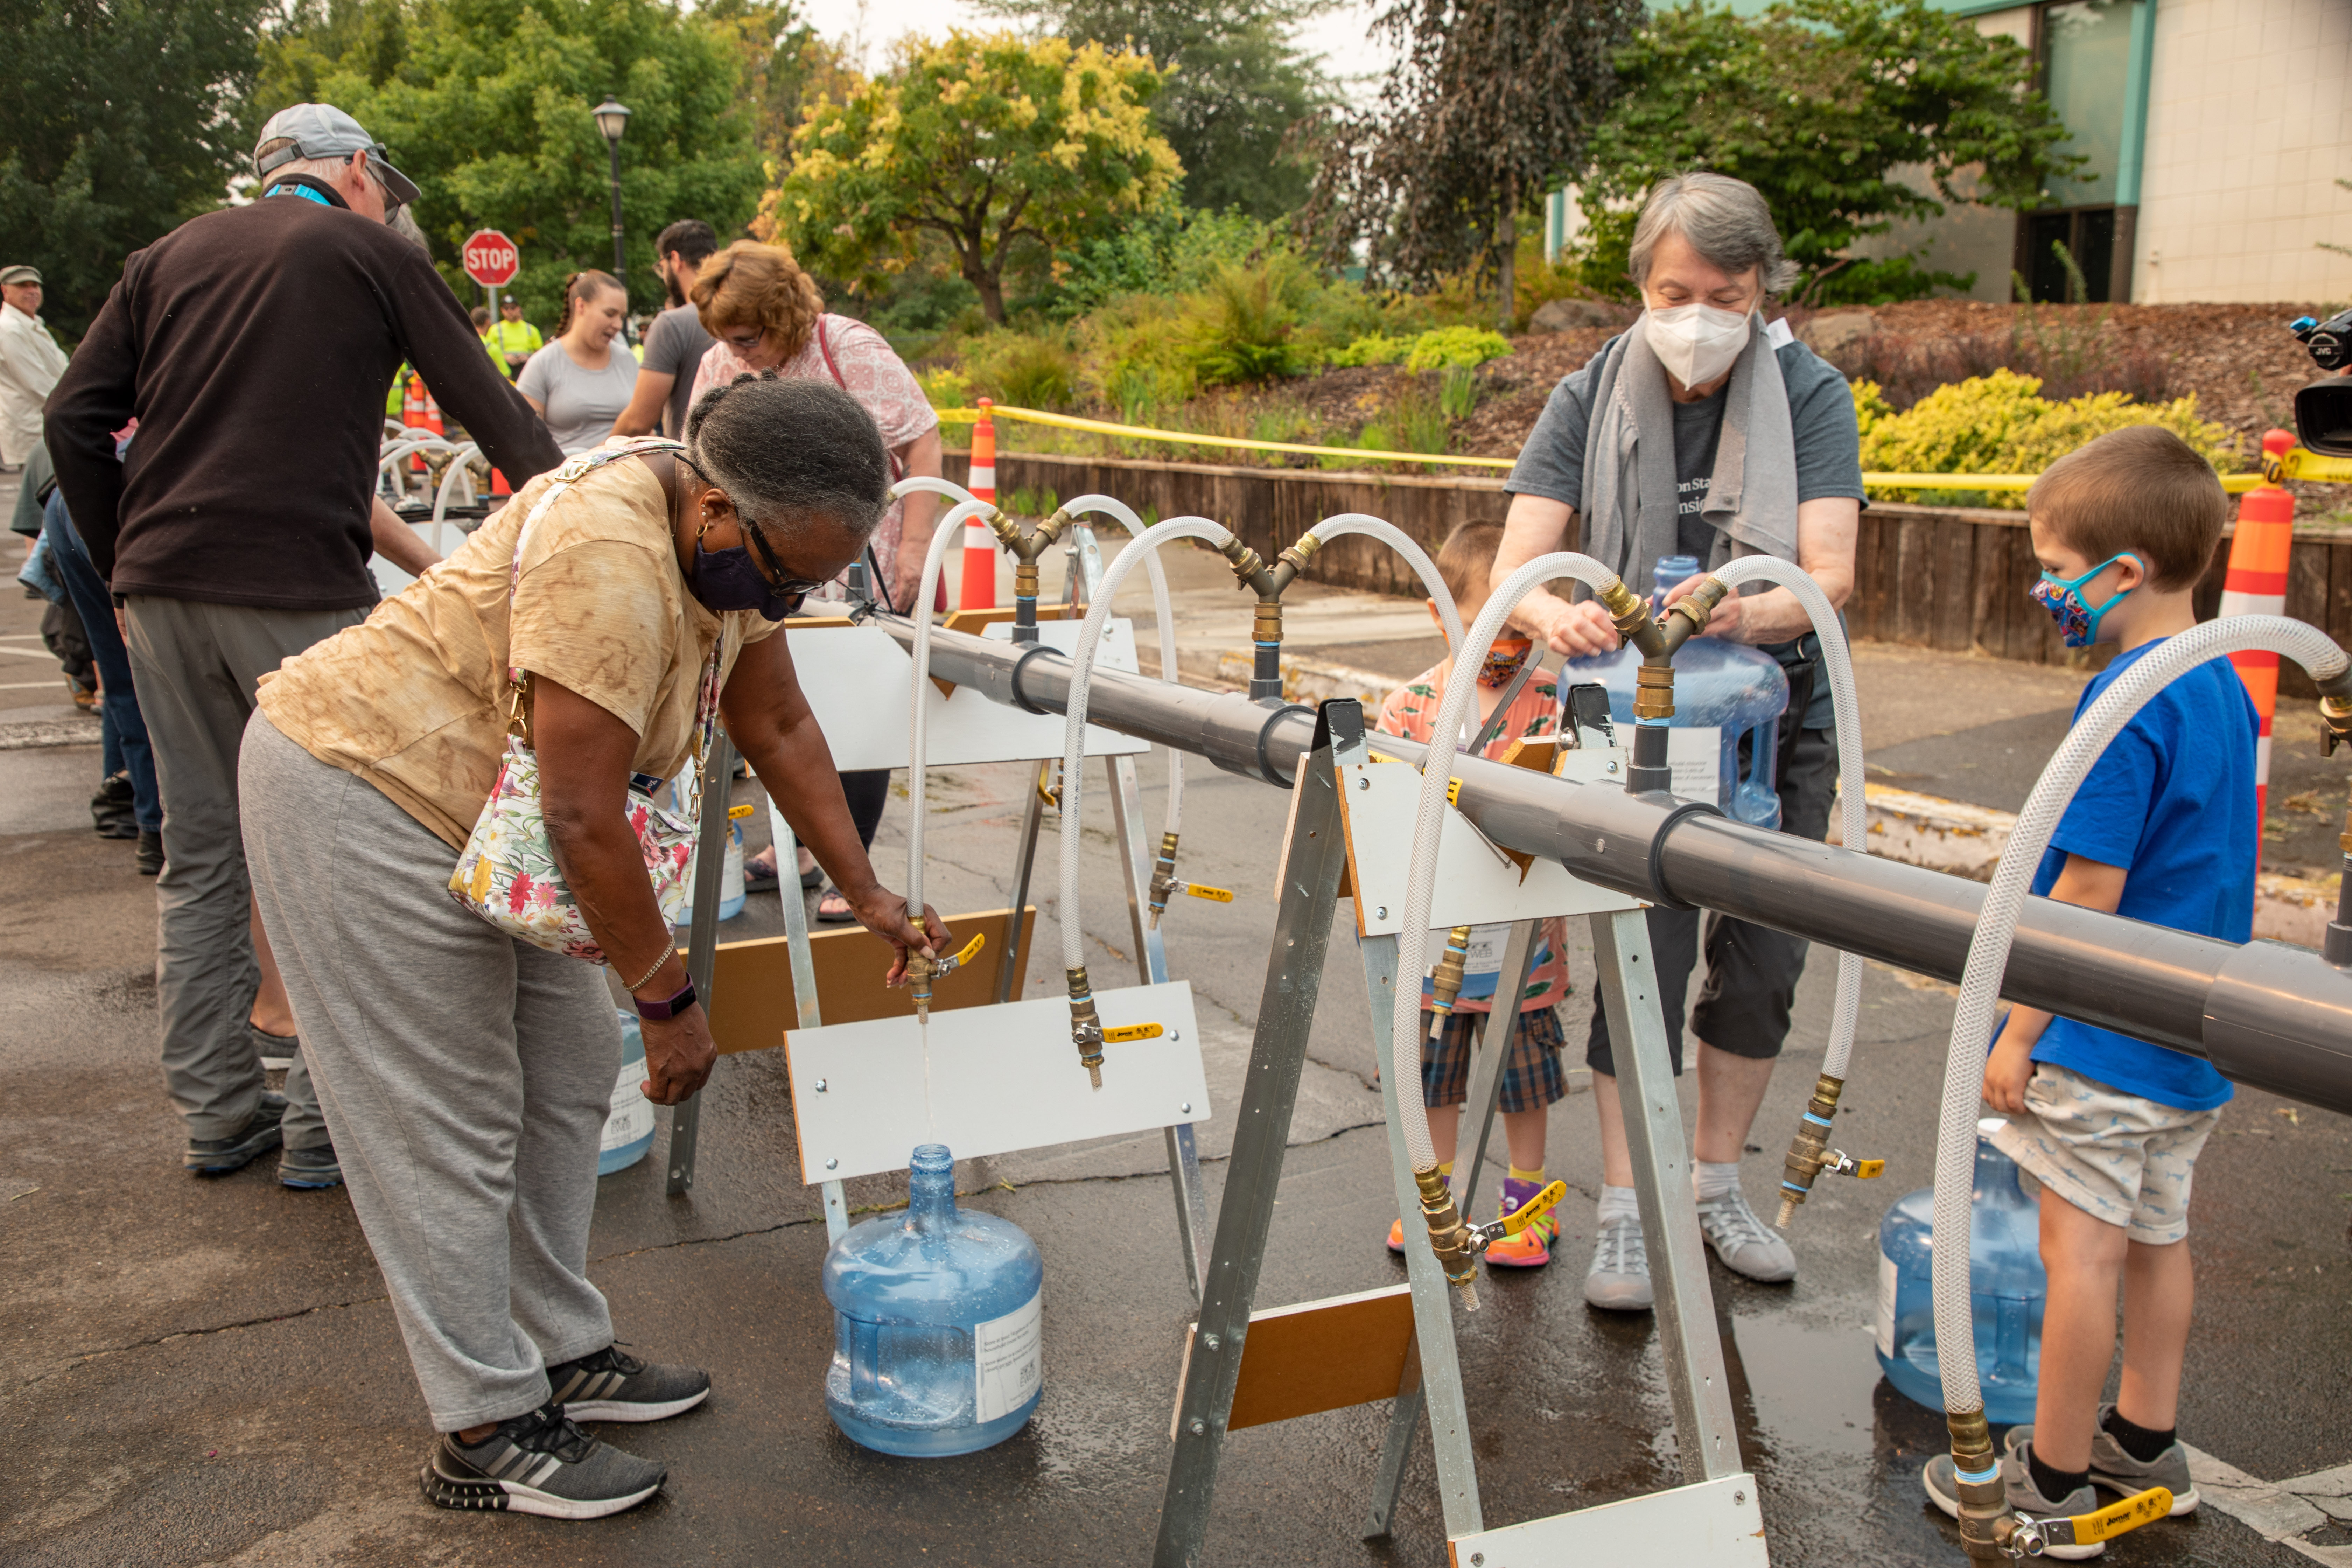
{"x":979,"y":543}
{"x":2256,"y":586}
{"x":413,"y":407}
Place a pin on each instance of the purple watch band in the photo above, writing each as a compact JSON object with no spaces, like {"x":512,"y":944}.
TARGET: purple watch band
{"x":662,"y":1012}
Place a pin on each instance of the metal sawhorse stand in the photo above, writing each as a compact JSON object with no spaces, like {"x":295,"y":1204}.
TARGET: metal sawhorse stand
{"x":1713,"y":1519}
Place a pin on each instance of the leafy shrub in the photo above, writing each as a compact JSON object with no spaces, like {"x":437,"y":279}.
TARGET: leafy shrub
{"x":1243,"y":326}
{"x":1457,"y":391}
{"x":1028,"y":370}
{"x":1456,"y":346}
{"x":2000,"y":424}
{"x":945,"y":386}
{"x":1376,"y":349}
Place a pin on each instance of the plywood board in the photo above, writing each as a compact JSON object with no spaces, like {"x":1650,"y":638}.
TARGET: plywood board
{"x":857,"y":680}
{"x":1476,"y":883}
{"x":751,"y":1001}
{"x":989,"y":1080}
{"x":1323,"y":1355}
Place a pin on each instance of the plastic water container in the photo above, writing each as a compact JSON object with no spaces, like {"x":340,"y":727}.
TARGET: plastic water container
{"x":629,"y":1130}
{"x":2007,"y":1289}
{"x":937,"y":1332}
{"x":730,"y":876}
{"x":1726,"y":688}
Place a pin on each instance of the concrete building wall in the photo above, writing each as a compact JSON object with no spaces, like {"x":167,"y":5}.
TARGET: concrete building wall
{"x":2249,"y":127}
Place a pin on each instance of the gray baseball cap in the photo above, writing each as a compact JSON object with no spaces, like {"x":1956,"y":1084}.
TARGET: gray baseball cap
{"x":322,"y":131}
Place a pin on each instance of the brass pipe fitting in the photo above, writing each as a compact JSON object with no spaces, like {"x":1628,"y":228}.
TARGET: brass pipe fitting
{"x":919,"y":971}
{"x":1449,"y":1239}
{"x":1266,"y":626}
{"x":1688,"y":616}
{"x":1630,"y":613}
{"x":1805,"y":1150}
{"x":1164,"y":879}
{"x":1294,"y":558}
{"x":2335,"y":715}
{"x":1025,"y":579}
{"x":1653,"y":690}
{"x":1986,"y":1521}
{"x":1085,"y":1025}
{"x":1247,"y":563}
{"x":1446,"y":979}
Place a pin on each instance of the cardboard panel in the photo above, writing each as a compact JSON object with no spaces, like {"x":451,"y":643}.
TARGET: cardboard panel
{"x":752,"y":1003}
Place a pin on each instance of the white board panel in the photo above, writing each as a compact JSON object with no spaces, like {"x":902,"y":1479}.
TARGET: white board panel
{"x":989,"y":1080}
{"x":1714,"y":1524}
{"x":857,"y":680}
{"x":1476,"y":883}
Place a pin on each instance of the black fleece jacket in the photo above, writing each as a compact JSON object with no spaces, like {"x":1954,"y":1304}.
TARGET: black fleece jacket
{"x":254,"y":345}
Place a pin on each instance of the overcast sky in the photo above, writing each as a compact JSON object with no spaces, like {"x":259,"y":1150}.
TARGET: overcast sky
{"x":1340,"y":36}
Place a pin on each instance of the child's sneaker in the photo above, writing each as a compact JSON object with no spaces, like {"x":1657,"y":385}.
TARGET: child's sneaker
{"x":1396,"y":1237}
{"x":2113,"y":1467}
{"x":2025,"y":1496}
{"x":1531,"y":1249}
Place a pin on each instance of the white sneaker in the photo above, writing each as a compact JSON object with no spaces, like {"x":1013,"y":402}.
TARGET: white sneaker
{"x":1618,"y":1279}
{"x":1743,"y":1241}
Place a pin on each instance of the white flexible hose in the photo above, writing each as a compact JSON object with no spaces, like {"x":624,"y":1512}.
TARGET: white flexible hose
{"x":1398,"y":539}
{"x":457,"y":469}
{"x":1853,"y":818}
{"x":1436,"y":771}
{"x":1073,"y":729}
{"x":938,"y":486}
{"x":915,"y":748}
{"x":1956,"y":1130}
{"x":1162,"y":607}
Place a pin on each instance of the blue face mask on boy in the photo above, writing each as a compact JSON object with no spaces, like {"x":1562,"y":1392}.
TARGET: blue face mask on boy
{"x":2078,"y":623}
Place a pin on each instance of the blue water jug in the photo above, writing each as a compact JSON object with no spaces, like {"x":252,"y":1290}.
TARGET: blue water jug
{"x":937,"y":1334}
{"x":2007,"y":1288}
{"x":1729,"y":687}
{"x":629,"y":1130}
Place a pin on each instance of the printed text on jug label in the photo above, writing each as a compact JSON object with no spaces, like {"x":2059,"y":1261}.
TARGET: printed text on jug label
{"x":1006,"y":1353}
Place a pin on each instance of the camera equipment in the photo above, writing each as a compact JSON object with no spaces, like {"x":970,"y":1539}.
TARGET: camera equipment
{"x":2323,"y":411}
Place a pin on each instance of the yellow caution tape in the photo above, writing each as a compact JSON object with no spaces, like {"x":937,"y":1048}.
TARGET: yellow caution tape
{"x":1215,"y":895}
{"x":737,"y":813}
{"x":1126,"y":1032}
{"x":2297,"y":463}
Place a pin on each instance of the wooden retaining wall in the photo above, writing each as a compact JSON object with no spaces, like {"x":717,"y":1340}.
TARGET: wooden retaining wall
{"x":1940,"y":577}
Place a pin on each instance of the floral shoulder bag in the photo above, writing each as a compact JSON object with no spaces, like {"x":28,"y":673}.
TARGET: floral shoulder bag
{"x":507,"y":874}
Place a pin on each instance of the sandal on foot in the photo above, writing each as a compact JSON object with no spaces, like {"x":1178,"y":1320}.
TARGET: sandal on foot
{"x":832,"y":909}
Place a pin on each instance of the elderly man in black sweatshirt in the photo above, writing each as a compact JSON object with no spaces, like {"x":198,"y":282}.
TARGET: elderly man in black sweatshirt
{"x":254,"y":345}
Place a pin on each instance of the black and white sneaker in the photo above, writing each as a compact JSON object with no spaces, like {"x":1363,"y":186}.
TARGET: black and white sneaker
{"x":614,"y":1386}
{"x":260,"y":1134}
{"x":540,"y":1463}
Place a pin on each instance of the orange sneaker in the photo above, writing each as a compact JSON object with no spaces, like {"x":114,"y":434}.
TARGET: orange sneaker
{"x":1531,"y":1249}
{"x":1396,"y":1237}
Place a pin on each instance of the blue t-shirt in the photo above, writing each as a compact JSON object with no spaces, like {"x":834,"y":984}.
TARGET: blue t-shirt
{"x":2172,"y":802}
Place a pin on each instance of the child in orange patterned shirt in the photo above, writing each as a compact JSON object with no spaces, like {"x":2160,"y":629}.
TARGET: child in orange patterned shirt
{"x":1532,"y":1079}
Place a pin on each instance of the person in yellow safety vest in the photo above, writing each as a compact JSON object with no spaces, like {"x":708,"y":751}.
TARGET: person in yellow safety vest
{"x":481,"y":320}
{"x":393,"y":407}
{"x":514,"y":340}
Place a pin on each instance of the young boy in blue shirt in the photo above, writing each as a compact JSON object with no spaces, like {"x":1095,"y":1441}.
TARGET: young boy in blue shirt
{"x":2162,"y":830}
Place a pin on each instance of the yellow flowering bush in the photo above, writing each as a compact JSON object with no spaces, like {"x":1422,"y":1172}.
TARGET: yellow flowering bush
{"x":2000,"y":424}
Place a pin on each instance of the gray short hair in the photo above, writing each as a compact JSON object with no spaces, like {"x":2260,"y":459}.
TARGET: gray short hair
{"x":1725,"y":220}
{"x":790,"y":451}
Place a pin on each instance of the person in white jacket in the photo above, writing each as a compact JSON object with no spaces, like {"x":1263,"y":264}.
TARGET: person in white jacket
{"x":30,"y":363}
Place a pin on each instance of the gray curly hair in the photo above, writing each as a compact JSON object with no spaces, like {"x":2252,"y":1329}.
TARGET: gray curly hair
{"x":1725,"y":220}
{"x":789,"y":452}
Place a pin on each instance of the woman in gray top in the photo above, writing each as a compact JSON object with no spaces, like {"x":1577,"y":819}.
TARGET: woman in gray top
{"x":581,"y":382}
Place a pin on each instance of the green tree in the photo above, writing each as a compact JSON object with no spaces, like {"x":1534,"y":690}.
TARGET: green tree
{"x":1818,"y":104}
{"x":1490,"y":102}
{"x":787,"y":67}
{"x":122,"y":118}
{"x":1239,"y":94}
{"x":485,"y":103}
{"x":987,"y":142}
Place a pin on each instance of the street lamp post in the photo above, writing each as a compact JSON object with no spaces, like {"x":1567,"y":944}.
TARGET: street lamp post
{"x":612,"y":118}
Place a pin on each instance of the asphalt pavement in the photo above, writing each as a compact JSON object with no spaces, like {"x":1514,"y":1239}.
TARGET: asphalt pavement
{"x":206,"y":1373}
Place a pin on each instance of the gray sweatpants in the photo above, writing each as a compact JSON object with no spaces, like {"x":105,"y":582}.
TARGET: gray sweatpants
{"x":195,"y":665}
{"x":465,"y":1076}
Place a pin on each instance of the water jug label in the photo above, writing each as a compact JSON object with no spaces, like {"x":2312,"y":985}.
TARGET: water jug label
{"x":1889,"y":1279}
{"x":633,"y":1113}
{"x":1695,"y":755}
{"x":1007,"y":1352}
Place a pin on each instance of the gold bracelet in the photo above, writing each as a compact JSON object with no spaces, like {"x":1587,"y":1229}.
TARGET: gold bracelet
{"x":649,"y":974}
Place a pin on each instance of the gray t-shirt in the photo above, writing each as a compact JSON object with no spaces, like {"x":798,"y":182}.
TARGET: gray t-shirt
{"x":580,"y":404}
{"x":673,"y":347}
{"x":1821,"y":423}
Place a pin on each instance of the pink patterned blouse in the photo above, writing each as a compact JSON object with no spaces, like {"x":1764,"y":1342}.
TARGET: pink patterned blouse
{"x":872,"y":372}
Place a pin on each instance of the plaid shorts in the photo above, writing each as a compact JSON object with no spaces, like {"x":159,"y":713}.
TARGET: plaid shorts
{"x":1532,"y":1078}
{"x":2117,"y":1157}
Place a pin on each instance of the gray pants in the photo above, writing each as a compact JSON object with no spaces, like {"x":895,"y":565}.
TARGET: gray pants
{"x":467,"y":1077}
{"x":195,"y":665}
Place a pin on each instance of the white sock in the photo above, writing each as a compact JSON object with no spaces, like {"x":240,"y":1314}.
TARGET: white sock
{"x":1619,"y":1202}
{"x":1710,"y":1180}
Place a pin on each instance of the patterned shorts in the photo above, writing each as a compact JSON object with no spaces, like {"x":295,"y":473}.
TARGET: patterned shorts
{"x":2117,"y":1157}
{"x":1532,"y":1078}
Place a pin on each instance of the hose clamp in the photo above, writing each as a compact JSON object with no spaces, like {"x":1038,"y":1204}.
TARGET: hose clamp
{"x":1621,"y":840}
{"x":1020,"y":666}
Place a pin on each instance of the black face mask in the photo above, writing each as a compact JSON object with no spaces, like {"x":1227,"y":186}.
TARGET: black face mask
{"x":728,"y":580}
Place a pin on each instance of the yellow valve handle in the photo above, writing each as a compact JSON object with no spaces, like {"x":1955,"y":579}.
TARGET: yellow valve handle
{"x":1536,"y":1207}
{"x":1215,"y":895}
{"x":1864,"y":1169}
{"x":1454,"y":792}
{"x":737,"y":813}
{"x":948,"y":965}
{"x":2140,"y":1508}
{"x":1126,"y":1032}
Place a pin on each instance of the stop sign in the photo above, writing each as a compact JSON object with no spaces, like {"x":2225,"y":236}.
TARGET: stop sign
{"x":491,"y":259}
